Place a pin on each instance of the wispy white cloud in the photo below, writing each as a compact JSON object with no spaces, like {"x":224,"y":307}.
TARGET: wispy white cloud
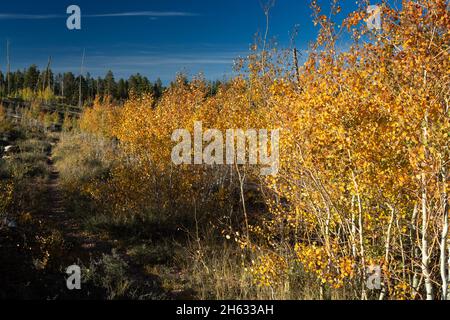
{"x":153,"y":14}
{"x":16,"y":16}
{"x":149,"y":59}
{"x":150,"y":14}
{"x":213,"y":60}
{"x":155,"y":61}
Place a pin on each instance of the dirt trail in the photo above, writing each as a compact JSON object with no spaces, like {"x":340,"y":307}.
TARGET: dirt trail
{"x":78,"y":244}
{"x":52,"y":235}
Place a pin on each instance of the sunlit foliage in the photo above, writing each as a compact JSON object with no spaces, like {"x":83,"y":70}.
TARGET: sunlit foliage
{"x":364,"y":154}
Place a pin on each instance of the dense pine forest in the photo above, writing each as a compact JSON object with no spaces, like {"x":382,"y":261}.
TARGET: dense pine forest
{"x":65,"y":87}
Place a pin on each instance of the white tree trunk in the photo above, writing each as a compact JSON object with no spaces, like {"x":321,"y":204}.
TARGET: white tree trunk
{"x":425,"y":257}
{"x":415,"y":253}
{"x":387,"y":249}
{"x":425,"y":253}
{"x":361,"y":238}
{"x":443,"y":258}
{"x":444,"y":238}
{"x":448,"y":268}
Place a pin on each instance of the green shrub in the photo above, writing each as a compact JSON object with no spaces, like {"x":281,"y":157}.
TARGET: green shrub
{"x":110,"y":273}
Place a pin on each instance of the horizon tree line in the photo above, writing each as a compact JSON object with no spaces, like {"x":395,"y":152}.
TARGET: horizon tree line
{"x":65,"y":87}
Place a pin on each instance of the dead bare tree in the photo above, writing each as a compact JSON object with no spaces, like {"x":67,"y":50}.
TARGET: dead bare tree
{"x":8,"y":68}
{"x":266,"y":9}
{"x":46,"y":81}
{"x":297,"y":70}
{"x":80,"y":99}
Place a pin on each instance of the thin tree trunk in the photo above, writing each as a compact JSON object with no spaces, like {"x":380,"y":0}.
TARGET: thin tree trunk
{"x":266,"y":9}
{"x":387,"y":250}
{"x":265,"y":43}
{"x":80,"y":101}
{"x":62,"y":88}
{"x":353,"y":228}
{"x":8,"y":69}
{"x":424,"y":199}
{"x":241,"y":186}
{"x":361,"y":238}
{"x":425,"y":257}
{"x":444,"y":238}
{"x":297,"y":71}
{"x":46,"y":81}
{"x":402,"y":249}
{"x":448,"y":268}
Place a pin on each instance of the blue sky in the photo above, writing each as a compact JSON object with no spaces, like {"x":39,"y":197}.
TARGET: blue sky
{"x":157,"y":38}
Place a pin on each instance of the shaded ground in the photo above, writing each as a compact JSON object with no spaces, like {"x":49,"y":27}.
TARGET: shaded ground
{"x":78,"y":245}
{"x":47,"y":240}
